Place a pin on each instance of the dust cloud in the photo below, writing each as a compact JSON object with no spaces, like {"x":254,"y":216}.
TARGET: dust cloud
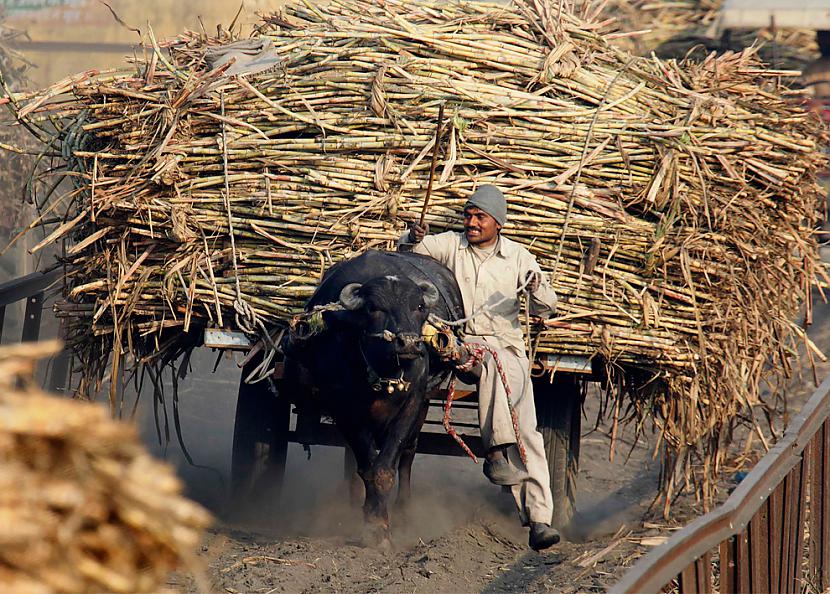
{"x":314,"y":501}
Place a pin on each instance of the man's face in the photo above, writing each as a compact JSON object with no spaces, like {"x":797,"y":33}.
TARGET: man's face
{"x":480,"y":229}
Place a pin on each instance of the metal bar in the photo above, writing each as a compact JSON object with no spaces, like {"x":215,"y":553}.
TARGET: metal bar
{"x":819,"y":508}
{"x":798,"y":560}
{"x":60,"y":364}
{"x":569,"y":363}
{"x":783,"y":549}
{"x":60,"y":371}
{"x":776,"y":520}
{"x":428,"y":443}
{"x":742,"y":562}
{"x":2,"y":320}
{"x":793,"y":527}
{"x":219,"y":338}
{"x":703,"y":573}
{"x":455,"y":424}
{"x":817,"y":480}
{"x":25,"y":286}
{"x":728,"y":569}
{"x":462,"y":405}
{"x":759,"y":552}
{"x":665,"y":562}
{"x":31,"y":321}
{"x":824,"y":510}
{"x":687,"y":580}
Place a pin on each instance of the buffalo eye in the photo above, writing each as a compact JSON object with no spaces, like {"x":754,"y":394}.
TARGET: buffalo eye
{"x":422,"y":307}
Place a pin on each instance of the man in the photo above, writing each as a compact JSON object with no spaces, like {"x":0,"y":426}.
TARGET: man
{"x":491,"y":270}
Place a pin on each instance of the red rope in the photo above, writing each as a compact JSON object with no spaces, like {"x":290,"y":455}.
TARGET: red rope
{"x":477,"y":351}
{"x":448,"y":421}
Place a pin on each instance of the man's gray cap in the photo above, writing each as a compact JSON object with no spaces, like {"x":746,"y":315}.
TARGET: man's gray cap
{"x":490,"y":199}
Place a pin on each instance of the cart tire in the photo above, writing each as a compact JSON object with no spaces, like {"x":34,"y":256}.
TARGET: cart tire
{"x":260,"y":443}
{"x":559,"y":420}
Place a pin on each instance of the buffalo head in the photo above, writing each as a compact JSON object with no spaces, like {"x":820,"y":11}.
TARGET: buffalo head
{"x":391,"y":312}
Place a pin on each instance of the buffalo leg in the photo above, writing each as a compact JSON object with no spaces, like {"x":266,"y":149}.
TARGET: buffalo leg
{"x":376,"y":530}
{"x":405,"y":475}
{"x":404,"y":429}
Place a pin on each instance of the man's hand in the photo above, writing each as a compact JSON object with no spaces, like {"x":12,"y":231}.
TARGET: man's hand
{"x":532,"y":281}
{"x":417,"y":232}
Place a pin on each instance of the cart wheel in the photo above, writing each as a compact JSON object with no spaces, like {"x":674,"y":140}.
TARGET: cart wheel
{"x":260,"y":443}
{"x":559,"y":420}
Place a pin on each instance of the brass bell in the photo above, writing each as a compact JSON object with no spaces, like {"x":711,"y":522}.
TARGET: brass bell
{"x":390,"y":388}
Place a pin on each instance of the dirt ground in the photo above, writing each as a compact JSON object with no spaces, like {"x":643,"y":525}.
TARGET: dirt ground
{"x":461,"y":534}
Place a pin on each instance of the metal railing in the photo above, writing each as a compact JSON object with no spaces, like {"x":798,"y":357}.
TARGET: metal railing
{"x":773,"y":527}
{"x":32,"y":288}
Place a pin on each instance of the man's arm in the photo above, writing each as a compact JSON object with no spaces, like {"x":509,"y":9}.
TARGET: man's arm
{"x":412,"y":237}
{"x":542,"y":296}
{"x":437,"y":246}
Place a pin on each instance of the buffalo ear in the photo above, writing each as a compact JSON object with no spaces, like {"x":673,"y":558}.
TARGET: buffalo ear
{"x":350,"y":298}
{"x":430,"y":293}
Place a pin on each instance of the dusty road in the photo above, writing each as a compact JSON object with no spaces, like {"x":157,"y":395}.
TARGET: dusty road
{"x":461,"y":533}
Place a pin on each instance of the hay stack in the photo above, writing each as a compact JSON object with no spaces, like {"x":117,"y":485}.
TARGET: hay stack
{"x":83,"y":507}
{"x":672,"y":204}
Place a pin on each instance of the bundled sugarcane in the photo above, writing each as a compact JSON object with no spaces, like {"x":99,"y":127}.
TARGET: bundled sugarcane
{"x":83,"y":506}
{"x":674,"y":29}
{"x":671,"y":203}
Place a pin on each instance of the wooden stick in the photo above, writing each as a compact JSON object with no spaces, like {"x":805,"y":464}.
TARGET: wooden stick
{"x":432,"y":165}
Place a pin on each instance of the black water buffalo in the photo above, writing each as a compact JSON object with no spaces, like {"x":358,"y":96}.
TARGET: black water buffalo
{"x":368,"y":367}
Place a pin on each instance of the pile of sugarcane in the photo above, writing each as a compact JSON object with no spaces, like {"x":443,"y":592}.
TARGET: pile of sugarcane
{"x":672,"y":204}
{"x":15,"y":165}
{"x":15,"y":171}
{"x":83,"y":507}
{"x":676,"y":29}
{"x":13,"y":64}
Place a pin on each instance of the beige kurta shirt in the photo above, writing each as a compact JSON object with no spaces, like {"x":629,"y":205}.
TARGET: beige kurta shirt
{"x":486,"y":283}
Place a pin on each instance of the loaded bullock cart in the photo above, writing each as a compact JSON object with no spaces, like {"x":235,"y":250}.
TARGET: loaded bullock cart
{"x":269,"y":414}
{"x":672,"y":204}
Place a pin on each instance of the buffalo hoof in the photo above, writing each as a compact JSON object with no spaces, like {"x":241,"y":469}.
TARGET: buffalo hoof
{"x":377,"y":537}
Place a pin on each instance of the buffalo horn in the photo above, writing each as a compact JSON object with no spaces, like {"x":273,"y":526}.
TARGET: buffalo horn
{"x":349,"y":297}
{"x":430,"y":293}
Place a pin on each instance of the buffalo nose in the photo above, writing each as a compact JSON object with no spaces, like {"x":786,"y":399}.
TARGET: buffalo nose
{"x":408,"y":343}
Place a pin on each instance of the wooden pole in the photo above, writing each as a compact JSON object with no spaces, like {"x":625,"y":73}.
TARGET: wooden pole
{"x":432,"y":166}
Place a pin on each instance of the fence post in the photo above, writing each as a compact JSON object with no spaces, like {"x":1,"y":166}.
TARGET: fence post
{"x":819,"y":508}
{"x":31,"y":323}
{"x":728,"y":569}
{"x":800,"y":506}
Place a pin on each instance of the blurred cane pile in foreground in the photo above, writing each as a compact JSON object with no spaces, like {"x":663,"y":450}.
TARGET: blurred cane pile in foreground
{"x":83,"y":506}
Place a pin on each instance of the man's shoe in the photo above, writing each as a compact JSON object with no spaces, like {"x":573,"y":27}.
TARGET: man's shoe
{"x":542,"y":536}
{"x":501,"y":472}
